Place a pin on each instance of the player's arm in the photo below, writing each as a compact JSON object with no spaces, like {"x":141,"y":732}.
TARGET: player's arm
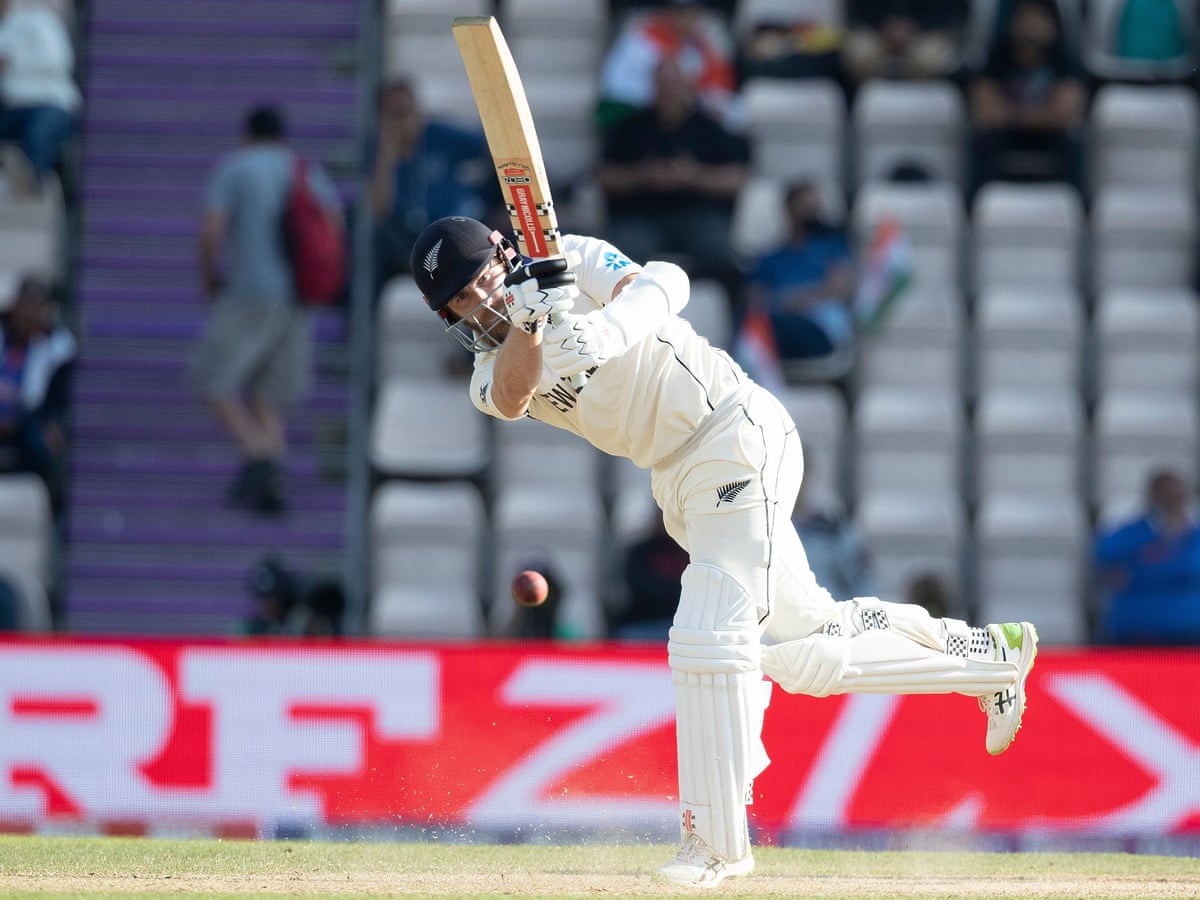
{"x":641,"y":302}
{"x":517,"y":372}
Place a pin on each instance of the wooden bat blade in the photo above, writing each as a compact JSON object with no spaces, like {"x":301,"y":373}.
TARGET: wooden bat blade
{"x":512,"y":138}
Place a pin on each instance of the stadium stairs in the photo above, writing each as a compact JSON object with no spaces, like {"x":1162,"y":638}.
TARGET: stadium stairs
{"x":152,"y":546}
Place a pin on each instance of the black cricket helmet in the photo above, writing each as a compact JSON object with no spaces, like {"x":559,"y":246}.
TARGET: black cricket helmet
{"x":448,"y":255}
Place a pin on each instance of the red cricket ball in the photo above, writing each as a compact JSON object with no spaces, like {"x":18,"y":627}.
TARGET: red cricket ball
{"x":529,"y":588}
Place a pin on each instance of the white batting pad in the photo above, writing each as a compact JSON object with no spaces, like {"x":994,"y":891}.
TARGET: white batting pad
{"x":879,"y":662}
{"x":720,"y":699}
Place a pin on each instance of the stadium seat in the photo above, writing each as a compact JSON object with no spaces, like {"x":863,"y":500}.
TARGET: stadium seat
{"x":410,"y":341}
{"x":710,"y":312}
{"x":919,"y":343}
{"x":931,"y":215}
{"x":1026,"y":234}
{"x":632,"y":504}
{"x":1031,"y":552}
{"x":529,"y":452}
{"x":920,"y":122}
{"x":426,"y":428}
{"x":429,"y":16}
{"x":566,"y":529}
{"x":26,"y":541}
{"x":1029,"y":338}
{"x":1144,"y":134}
{"x":1098,"y":59}
{"x":426,"y":565}
{"x":1143,"y":236}
{"x":907,"y":439}
{"x":909,"y":533}
{"x":982,"y":25}
{"x":1136,"y":432}
{"x":1146,"y":339}
{"x":797,"y":128}
{"x":819,"y":412}
{"x":32,"y":233}
{"x":1029,"y":441}
{"x":563,"y":108}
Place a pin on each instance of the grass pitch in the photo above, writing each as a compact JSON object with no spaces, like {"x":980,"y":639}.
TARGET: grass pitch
{"x":103,"y":868}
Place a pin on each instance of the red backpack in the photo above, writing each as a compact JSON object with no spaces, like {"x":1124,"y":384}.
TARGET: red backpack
{"x":314,"y":245}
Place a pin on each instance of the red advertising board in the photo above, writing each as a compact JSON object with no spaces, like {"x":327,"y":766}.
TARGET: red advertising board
{"x":498,"y":737}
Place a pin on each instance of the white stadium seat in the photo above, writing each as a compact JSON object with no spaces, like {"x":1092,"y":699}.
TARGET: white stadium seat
{"x":797,"y":128}
{"x":710,"y":312}
{"x":895,"y":122}
{"x":1031,"y":561}
{"x":410,"y":341}
{"x":1029,"y":338}
{"x":26,"y":541}
{"x":428,"y":429}
{"x":1029,"y":441}
{"x":912,"y":532}
{"x":1143,"y":236}
{"x":1026,"y":234}
{"x":529,"y":452}
{"x":907,"y":439}
{"x":1100,"y":25}
{"x":426,"y":568}
{"x":1144,"y":134}
{"x":1147,"y":339}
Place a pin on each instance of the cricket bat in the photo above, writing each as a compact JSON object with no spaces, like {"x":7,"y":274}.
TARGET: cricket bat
{"x":511,"y":135}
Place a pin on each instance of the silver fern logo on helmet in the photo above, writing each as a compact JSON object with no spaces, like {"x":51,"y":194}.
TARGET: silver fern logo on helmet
{"x":431,"y":258}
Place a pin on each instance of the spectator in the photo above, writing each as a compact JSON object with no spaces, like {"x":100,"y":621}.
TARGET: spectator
{"x":38,"y":94}
{"x":286,"y":603}
{"x":932,"y":592}
{"x":686,"y":32}
{"x":1149,"y":570}
{"x":421,"y":170}
{"x":671,"y":175}
{"x":253,"y":362}
{"x":903,"y":39}
{"x":37,"y":359}
{"x":807,"y":283}
{"x":1027,"y":105}
{"x":789,"y":48}
{"x":651,"y":573}
{"x":832,"y":543}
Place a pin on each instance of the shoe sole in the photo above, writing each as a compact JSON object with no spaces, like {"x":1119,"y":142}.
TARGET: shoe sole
{"x":1029,"y":644}
{"x":732,"y":870}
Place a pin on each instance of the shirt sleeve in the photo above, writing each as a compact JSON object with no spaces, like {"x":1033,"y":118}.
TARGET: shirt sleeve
{"x":482,"y":379}
{"x":603,"y":266}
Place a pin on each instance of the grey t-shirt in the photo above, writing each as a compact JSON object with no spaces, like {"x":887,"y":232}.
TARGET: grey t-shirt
{"x":249,"y":186}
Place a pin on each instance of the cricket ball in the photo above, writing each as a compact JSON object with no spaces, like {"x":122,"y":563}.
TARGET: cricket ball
{"x":529,"y":588}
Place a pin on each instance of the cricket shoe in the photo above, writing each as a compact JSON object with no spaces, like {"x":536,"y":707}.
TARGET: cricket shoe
{"x":698,"y":865}
{"x":1016,"y":642}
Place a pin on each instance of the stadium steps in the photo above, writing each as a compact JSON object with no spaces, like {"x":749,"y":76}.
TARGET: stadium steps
{"x":152,"y":546}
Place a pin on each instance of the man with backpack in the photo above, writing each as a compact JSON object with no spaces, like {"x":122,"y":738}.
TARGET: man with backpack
{"x":253,"y":363}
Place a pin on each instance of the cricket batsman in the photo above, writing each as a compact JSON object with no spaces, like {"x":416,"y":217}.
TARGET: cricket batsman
{"x":592,"y":342}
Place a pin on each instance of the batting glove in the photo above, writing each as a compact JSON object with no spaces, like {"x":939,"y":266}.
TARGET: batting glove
{"x":541,"y":288}
{"x":575,"y":344}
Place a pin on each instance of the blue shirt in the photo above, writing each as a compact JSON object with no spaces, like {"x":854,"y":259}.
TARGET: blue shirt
{"x":800,"y":265}
{"x":1154,"y":584}
{"x":445,"y":177}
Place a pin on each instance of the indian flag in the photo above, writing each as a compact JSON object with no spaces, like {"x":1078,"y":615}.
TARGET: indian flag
{"x":755,"y":350}
{"x":886,"y":274}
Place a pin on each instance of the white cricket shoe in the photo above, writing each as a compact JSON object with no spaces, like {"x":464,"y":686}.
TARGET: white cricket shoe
{"x":1015,"y":642}
{"x":699,"y":865}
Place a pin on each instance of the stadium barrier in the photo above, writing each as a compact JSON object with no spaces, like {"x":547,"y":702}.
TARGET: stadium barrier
{"x":544,"y":742}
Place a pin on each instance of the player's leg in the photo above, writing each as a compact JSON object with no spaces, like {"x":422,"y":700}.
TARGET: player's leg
{"x":871,"y":646}
{"x":720,"y":699}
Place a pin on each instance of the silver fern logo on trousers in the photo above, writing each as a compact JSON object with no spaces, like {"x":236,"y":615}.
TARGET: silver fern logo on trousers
{"x":728,"y":493}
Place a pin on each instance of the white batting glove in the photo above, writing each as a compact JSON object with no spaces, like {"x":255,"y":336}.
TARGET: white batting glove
{"x":540,"y":288}
{"x":575,"y":344}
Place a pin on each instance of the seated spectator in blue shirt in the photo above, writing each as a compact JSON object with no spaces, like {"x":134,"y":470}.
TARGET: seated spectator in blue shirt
{"x":807,"y":283}
{"x":1150,"y":570}
{"x":422,"y":170}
